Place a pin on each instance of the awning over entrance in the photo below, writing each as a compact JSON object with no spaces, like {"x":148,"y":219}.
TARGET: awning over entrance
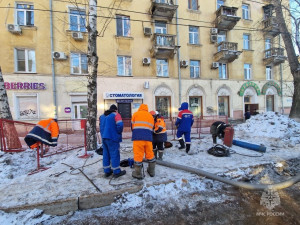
{"x":249,"y":84}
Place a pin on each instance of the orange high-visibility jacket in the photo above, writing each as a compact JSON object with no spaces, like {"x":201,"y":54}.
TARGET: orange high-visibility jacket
{"x":142,"y":123}
{"x":46,"y":131}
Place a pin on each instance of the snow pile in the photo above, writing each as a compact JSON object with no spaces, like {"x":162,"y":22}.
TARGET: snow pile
{"x":27,"y":217}
{"x":271,"y":125}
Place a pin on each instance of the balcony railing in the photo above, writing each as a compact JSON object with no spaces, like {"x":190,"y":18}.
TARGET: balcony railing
{"x":274,"y":56}
{"x":227,"y":52}
{"x":226,"y":17}
{"x":163,"y":45}
{"x":163,"y":8}
{"x":271,"y":26}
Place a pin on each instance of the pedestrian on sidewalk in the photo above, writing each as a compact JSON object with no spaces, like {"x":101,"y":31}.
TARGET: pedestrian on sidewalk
{"x":247,"y":114}
{"x":217,"y":129}
{"x":159,"y":134}
{"x":184,"y":124}
{"x":111,"y":128}
{"x":45,"y":131}
{"x":142,"y":124}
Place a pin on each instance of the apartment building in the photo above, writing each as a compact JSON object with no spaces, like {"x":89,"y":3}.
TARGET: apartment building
{"x":223,"y":57}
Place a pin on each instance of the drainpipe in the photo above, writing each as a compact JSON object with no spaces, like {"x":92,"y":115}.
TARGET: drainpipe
{"x":178,"y":56}
{"x":281,"y":83}
{"x":52,"y":60}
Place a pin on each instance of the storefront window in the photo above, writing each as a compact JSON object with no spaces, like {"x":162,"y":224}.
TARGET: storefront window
{"x":80,"y":111}
{"x":223,"y":102}
{"x":196,"y":106}
{"x":163,"y":106}
{"x":27,"y":107}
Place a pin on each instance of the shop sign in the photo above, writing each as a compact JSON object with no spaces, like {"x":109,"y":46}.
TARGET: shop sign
{"x":124,"y":100}
{"x":67,"y":109}
{"x":123,"y":95}
{"x":24,"y":86}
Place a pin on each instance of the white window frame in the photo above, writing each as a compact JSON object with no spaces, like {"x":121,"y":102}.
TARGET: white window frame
{"x":223,"y":71}
{"x":246,"y":11}
{"x":25,"y":13}
{"x":194,"y":75}
{"x":247,"y":71}
{"x":80,"y":65}
{"x":27,"y":51}
{"x":160,"y":27}
{"x":162,"y":63}
{"x":78,"y":18}
{"x":123,"y":19}
{"x":269,"y":73}
{"x":246,"y":42}
{"x":194,"y":35}
{"x":17,"y":108}
{"x":268,"y":43}
{"x":193,"y":4}
{"x":126,"y":72}
{"x":78,"y":109}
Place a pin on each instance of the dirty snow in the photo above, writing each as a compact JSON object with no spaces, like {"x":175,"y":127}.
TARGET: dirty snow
{"x":278,"y":133}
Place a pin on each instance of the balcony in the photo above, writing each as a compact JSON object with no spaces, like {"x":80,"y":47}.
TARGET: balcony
{"x":274,"y":56}
{"x":270,"y":27}
{"x":226,"y":18}
{"x":163,"y":46}
{"x":163,"y":8}
{"x":227,"y":52}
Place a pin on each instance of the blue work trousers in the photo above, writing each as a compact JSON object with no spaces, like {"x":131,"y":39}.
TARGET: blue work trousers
{"x":111,"y":156}
{"x":187,"y":136}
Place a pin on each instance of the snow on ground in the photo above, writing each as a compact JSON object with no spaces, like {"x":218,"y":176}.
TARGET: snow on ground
{"x":278,"y":133}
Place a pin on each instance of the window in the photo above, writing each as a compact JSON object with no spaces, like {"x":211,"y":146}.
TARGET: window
{"x":163,"y":105}
{"x":222,"y":70}
{"x":162,"y":68}
{"x":269,"y":73}
{"x":123,"y":26}
{"x":80,"y":110}
{"x":223,"y":103}
{"x":25,"y":14}
{"x":193,"y":35}
{"x":77,"y":20}
{"x":160,"y":27}
{"x":25,"y":61}
{"x":193,"y":4}
{"x":268,"y":43}
{"x":246,"y":12}
{"x":196,"y":105}
{"x":194,"y":69}
{"x":220,"y":3}
{"x":27,"y":107}
{"x":247,"y":71}
{"x":246,"y":41}
{"x":124,"y":66}
{"x":79,"y":64}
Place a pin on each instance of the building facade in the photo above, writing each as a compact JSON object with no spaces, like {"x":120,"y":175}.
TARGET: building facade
{"x":223,"y":57}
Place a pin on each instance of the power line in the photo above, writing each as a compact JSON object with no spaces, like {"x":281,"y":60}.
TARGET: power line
{"x":137,"y":20}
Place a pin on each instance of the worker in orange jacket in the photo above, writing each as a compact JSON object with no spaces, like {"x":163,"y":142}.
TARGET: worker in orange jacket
{"x":45,"y":131}
{"x":142,"y":124}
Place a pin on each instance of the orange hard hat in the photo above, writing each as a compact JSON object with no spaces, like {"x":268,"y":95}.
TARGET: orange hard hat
{"x":152,"y":113}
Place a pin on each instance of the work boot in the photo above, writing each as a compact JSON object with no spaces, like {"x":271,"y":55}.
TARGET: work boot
{"x":108,"y":174}
{"x":160,"y":155}
{"x":151,"y":169}
{"x":123,"y":172}
{"x":155,"y":153}
{"x":181,"y":142}
{"x":188,"y":146}
{"x":137,"y":173}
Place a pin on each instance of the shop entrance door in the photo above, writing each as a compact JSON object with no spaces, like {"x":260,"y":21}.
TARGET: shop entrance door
{"x":125,"y":110}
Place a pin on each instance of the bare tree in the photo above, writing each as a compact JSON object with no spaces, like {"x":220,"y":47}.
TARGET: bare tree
{"x":10,"y":132}
{"x":291,"y":54}
{"x":92,"y":76}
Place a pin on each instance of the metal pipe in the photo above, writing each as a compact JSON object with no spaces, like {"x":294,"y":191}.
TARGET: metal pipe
{"x":178,"y":56}
{"x":239,"y":184}
{"x":281,"y":83}
{"x":52,"y":60}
